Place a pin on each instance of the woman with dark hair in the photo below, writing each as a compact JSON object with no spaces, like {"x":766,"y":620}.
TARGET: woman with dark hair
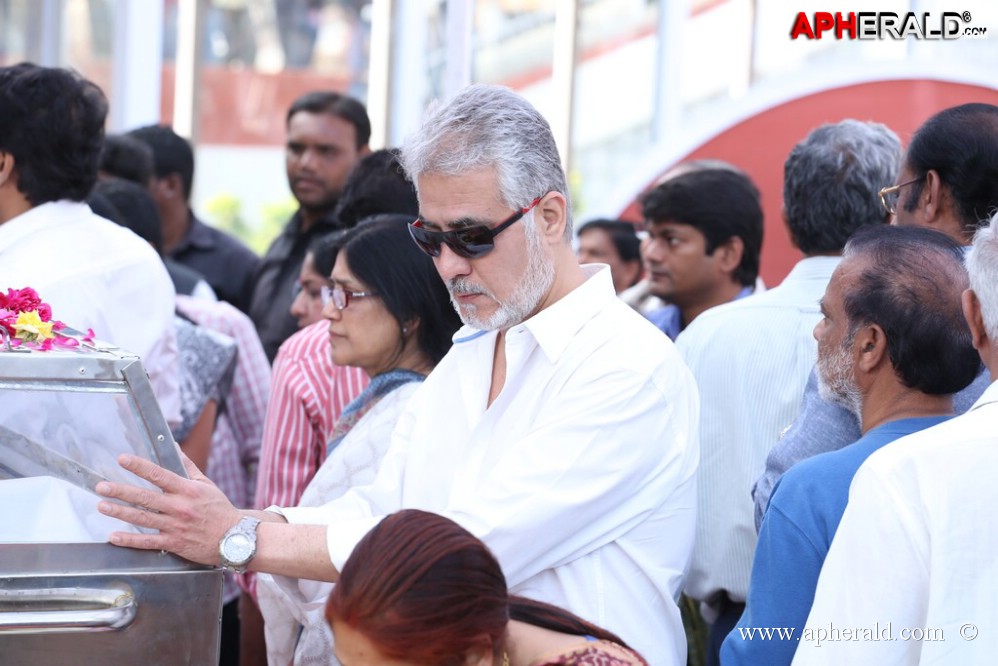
{"x":421,"y":589}
{"x":389,"y":314}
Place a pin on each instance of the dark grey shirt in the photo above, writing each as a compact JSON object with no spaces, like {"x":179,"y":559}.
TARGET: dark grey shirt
{"x":270,"y":308}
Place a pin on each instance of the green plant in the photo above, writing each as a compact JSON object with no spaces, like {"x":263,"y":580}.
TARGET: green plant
{"x":224,"y":211}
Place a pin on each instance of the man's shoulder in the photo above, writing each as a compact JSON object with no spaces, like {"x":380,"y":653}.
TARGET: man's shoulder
{"x":814,"y":474}
{"x":941,"y":446}
{"x":210,"y":236}
{"x":629,"y":332}
{"x":619,"y":341}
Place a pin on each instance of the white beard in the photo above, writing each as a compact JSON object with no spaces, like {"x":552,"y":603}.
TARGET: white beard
{"x":835,"y":381}
{"x":534,"y":284}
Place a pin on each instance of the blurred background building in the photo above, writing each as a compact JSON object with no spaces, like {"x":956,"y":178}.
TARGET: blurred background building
{"x":630,"y":86}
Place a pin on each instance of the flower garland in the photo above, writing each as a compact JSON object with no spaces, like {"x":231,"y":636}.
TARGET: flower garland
{"x":28,"y":322}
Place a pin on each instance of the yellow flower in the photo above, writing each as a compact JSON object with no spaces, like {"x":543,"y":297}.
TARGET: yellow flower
{"x":30,"y":327}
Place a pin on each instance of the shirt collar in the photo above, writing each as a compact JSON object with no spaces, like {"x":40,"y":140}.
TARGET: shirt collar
{"x":324,"y":224}
{"x":811,"y":268}
{"x":990,"y":395}
{"x":555,"y":326}
{"x":40,"y":219}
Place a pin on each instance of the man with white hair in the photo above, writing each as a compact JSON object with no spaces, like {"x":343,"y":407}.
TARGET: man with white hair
{"x":560,"y":428}
{"x":913,"y":555}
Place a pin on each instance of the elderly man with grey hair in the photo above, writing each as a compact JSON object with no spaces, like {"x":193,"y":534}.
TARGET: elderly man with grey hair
{"x":948,"y":182}
{"x":560,"y":428}
{"x":911,"y":561}
{"x":751,"y":358}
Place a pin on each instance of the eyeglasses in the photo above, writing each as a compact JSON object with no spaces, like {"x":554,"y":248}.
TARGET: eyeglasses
{"x":341,"y":297}
{"x":470,"y":242}
{"x":889,"y":195}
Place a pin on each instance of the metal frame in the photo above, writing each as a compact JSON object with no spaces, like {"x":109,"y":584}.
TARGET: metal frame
{"x":100,"y":370}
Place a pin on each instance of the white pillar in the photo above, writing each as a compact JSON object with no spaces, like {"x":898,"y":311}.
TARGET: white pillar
{"x":407,"y":96}
{"x":137,"y":73}
{"x":673,"y":17}
{"x":566,"y":28}
{"x":379,"y":71}
{"x":187,"y":75}
{"x":457,"y":40}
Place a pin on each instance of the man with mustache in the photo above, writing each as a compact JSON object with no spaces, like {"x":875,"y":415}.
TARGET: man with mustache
{"x":327,"y":135}
{"x":910,"y":552}
{"x":893,"y":348}
{"x":560,"y":428}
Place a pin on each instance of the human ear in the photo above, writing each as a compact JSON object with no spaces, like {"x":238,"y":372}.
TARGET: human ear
{"x":731,"y":253}
{"x":975,"y":320}
{"x":480,"y":655}
{"x":551,"y":215}
{"x":871,"y":343}
{"x":6,"y":167}
{"x":931,"y":196}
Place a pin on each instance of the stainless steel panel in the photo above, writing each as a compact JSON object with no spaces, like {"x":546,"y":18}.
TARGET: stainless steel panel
{"x":168,"y":610}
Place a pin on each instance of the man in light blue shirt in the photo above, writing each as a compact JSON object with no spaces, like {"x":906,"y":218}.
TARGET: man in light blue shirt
{"x":893,"y":348}
{"x":948,"y":183}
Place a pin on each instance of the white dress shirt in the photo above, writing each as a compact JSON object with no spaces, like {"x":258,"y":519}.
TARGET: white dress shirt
{"x":751,"y":359}
{"x":96,"y":274}
{"x":581,"y":475}
{"x":917,"y":548}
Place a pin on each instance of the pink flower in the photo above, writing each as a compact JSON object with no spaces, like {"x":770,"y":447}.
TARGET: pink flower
{"x":41,"y":332}
{"x":23,"y":300}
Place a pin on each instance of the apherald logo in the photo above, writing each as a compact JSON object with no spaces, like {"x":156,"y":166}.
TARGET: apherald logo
{"x":877,"y":25}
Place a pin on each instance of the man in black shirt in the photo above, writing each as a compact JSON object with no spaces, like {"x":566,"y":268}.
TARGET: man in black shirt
{"x":327,"y":135}
{"x":224,"y":261}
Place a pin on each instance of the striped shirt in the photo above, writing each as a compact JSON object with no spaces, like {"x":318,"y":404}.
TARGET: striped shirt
{"x":751,"y":359}
{"x":307,"y":395}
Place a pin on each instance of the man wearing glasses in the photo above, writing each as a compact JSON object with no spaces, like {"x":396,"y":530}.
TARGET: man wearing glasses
{"x":948,"y":182}
{"x":560,"y":428}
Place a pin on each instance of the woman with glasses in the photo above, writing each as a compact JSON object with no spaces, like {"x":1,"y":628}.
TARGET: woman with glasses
{"x":390,"y":315}
{"x":306,"y":299}
{"x":420,"y":589}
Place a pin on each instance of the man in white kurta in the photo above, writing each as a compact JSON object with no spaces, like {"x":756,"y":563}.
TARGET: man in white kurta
{"x":912,"y":574}
{"x":560,"y":428}
{"x":92,"y":272}
{"x":96,"y":274}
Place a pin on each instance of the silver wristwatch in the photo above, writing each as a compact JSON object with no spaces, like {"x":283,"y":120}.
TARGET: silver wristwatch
{"x":238,"y":546}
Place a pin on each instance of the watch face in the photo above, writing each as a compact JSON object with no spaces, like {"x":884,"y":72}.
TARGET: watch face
{"x":238,"y":548}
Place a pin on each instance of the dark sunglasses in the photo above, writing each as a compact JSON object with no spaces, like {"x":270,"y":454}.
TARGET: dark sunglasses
{"x":470,"y":242}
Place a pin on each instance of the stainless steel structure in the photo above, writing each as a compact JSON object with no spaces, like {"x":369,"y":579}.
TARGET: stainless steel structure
{"x":65,"y":416}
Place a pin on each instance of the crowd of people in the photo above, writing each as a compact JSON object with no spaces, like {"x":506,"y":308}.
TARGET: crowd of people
{"x":435,"y":424}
